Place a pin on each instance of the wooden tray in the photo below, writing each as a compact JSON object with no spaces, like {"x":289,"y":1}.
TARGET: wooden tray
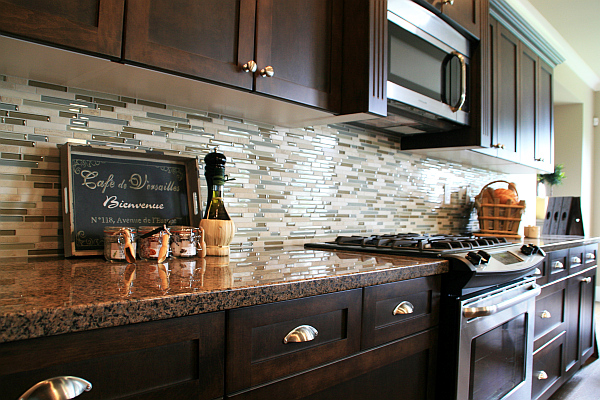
{"x":104,"y":186}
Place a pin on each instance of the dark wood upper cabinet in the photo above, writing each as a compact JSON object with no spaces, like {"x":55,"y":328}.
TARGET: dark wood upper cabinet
{"x":93,"y":26}
{"x":213,"y":40}
{"x":544,"y":138}
{"x":505,"y":92}
{"x":528,"y":115}
{"x":301,"y":41}
{"x":199,"y":38}
{"x":465,"y":13}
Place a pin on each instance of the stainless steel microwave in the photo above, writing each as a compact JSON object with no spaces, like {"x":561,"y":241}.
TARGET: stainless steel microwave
{"x":428,"y":72}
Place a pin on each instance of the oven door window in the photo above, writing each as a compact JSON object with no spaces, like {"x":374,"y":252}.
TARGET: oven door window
{"x":420,"y":66}
{"x":498,"y":360}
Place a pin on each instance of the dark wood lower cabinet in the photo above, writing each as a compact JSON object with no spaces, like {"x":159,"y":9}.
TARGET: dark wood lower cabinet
{"x":564,"y":325}
{"x":180,"y":358}
{"x":401,"y":369}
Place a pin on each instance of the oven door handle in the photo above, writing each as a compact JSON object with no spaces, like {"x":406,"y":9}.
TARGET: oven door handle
{"x":474,"y":312}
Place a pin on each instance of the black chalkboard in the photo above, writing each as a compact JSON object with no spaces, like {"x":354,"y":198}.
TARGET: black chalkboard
{"x":111,"y":187}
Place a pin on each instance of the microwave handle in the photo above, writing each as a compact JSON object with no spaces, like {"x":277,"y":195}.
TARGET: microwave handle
{"x":463,"y":82}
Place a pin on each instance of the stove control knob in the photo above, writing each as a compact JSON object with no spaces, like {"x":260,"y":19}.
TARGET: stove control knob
{"x":485,"y":256}
{"x":527,"y":249}
{"x":473,"y":258}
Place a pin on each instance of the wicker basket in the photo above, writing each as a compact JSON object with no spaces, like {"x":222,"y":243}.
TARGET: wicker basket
{"x":497,"y":219}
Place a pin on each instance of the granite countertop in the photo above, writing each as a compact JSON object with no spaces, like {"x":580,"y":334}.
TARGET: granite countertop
{"x":43,"y":297}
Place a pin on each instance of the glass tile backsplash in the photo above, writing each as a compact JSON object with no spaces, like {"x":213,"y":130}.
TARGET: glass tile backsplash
{"x":291,"y":185}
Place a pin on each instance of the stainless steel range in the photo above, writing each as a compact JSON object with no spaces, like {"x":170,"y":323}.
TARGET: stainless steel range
{"x":476,"y":263}
{"x":487,"y":307}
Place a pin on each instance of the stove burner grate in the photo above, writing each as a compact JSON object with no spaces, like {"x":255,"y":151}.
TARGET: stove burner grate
{"x":413,"y":241}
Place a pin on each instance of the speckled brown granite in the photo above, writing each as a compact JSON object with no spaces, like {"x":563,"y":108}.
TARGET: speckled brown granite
{"x":42,"y":297}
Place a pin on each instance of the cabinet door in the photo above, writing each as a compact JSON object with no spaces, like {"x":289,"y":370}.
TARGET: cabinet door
{"x":200,"y":38}
{"x":301,"y":42}
{"x":587,"y":328}
{"x":528,"y":94}
{"x":548,"y":368}
{"x":544,"y":139}
{"x":505,"y":87}
{"x":93,"y":26}
{"x":580,"y":327}
{"x":179,"y":358}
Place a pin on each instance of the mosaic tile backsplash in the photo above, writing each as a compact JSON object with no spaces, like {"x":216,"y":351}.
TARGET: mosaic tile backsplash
{"x":291,"y":185}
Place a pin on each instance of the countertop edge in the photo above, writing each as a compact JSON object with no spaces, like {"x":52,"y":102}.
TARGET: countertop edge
{"x":34,"y":324}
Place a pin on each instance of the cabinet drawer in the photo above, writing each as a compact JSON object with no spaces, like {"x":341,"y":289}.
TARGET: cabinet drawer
{"x":558,"y":264}
{"x":256,"y":352}
{"x":547,"y":368}
{"x":418,"y":303}
{"x":175,"y":358}
{"x":550,"y":313}
{"x":576,"y":259}
{"x":591,"y":252}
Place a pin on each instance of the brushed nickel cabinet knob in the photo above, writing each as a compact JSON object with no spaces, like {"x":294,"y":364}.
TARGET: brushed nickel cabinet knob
{"x":267,"y":72}
{"x":250,"y":66}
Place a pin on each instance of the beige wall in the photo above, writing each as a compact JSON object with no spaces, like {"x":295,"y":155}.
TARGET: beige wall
{"x":574,"y":142}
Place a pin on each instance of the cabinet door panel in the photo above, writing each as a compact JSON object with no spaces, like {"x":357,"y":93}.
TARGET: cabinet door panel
{"x":544,"y":140}
{"x":587,"y":326}
{"x":175,"y":358}
{"x":94,"y":26}
{"x":527,"y":103}
{"x":465,"y":13}
{"x":201,"y":38}
{"x":547,"y":367}
{"x":301,"y":41}
{"x":506,"y":94}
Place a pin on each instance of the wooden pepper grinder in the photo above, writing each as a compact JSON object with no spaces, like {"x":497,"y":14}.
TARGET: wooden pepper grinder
{"x":218,"y":226}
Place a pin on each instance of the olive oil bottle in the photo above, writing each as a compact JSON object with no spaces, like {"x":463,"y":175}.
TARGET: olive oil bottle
{"x":218,"y":227}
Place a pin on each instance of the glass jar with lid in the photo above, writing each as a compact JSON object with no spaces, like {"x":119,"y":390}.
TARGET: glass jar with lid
{"x":150,"y":242}
{"x":184,"y":240}
{"x":115,"y":240}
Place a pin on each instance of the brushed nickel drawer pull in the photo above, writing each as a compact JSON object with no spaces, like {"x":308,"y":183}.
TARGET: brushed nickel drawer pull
{"x":59,"y":388}
{"x":590,"y":256}
{"x":537,"y":271}
{"x":546,"y":314}
{"x":587,"y":279}
{"x":575,"y":260}
{"x":558,"y":265}
{"x":404,"y":308}
{"x":302,"y":333}
{"x":542,"y":375}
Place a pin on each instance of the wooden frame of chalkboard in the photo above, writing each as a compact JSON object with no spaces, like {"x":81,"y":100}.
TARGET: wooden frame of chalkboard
{"x":103,"y":186}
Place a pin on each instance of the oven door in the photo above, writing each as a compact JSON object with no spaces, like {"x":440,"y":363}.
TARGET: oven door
{"x":496,"y":344}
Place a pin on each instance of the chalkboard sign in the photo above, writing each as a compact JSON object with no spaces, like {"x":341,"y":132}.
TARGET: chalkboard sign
{"x":111,"y":187}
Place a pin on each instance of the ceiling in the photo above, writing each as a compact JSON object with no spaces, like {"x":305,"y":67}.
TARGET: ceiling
{"x":572,"y":28}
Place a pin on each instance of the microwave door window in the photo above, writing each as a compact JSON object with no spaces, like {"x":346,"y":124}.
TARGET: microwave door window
{"x":414,"y":63}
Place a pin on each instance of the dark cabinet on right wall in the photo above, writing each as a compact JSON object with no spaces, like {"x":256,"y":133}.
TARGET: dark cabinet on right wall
{"x":564,"y":317}
{"x":521,"y":102}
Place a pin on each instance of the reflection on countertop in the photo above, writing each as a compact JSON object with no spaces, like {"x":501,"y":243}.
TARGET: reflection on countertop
{"x":41,"y":297}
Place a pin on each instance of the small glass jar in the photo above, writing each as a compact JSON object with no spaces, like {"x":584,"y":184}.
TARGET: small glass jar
{"x":149,"y":247}
{"x":114,"y":242}
{"x":184,"y":240}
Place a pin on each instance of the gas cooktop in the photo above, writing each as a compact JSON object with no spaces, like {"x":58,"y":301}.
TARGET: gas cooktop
{"x":411,"y":243}
{"x":475,"y":262}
